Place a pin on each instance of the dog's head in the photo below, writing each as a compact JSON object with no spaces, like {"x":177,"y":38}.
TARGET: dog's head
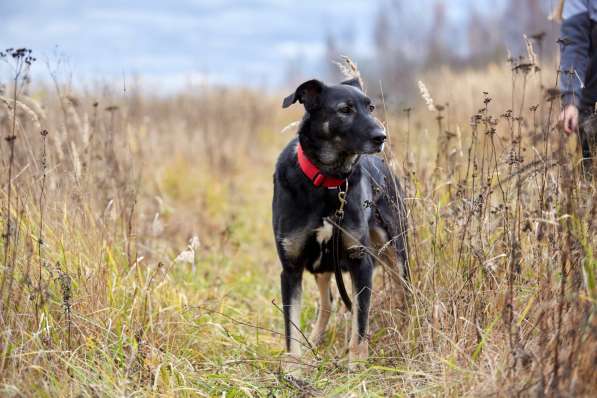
{"x":339,"y":119}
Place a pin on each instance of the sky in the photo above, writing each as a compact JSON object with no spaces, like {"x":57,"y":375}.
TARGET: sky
{"x":172,"y":43}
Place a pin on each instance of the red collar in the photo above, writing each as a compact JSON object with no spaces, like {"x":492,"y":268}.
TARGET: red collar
{"x":314,"y":174}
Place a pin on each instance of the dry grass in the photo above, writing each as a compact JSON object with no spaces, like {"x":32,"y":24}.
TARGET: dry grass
{"x":93,"y":302}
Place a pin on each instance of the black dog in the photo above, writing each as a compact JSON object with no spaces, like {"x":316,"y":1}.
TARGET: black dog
{"x":332,"y":155}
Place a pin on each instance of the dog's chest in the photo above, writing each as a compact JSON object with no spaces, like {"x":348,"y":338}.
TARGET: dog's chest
{"x":321,"y":248}
{"x":324,"y":233}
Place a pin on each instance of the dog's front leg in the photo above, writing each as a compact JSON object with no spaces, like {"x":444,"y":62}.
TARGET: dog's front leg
{"x":325,"y":307}
{"x":361,"y":274}
{"x":291,"y":300}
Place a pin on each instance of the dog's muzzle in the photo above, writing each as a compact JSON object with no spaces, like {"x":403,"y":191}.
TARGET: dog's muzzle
{"x":377,"y":140}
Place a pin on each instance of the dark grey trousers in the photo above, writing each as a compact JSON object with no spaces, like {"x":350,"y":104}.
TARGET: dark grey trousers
{"x":588,"y":141}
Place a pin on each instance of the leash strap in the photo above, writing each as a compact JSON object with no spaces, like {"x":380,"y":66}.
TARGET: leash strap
{"x":336,"y":244}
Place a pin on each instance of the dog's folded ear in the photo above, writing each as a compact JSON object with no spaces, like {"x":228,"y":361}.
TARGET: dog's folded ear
{"x":355,"y":82}
{"x":307,"y":94}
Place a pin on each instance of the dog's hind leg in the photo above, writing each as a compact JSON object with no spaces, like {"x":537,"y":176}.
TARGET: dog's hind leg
{"x":325,"y":307}
{"x":362,"y":281}
{"x":291,"y":300}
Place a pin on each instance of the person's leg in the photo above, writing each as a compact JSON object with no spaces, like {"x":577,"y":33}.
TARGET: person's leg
{"x":588,"y":142}
{"x":590,"y":154}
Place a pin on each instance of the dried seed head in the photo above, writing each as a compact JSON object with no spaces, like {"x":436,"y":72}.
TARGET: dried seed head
{"x":426,"y":96}
{"x":186,"y":256}
{"x":194,"y":243}
{"x":530,"y":51}
{"x":349,"y":69}
{"x":290,"y":126}
{"x":552,"y":94}
{"x":538,"y":37}
{"x":564,"y":41}
{"x":157,"y":226}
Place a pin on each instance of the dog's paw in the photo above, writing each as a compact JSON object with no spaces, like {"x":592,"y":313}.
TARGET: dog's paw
{"x":358,"y":353}
{"x":293,"y":365}
{"x":316,"y":338}
{"x":357,"y":366}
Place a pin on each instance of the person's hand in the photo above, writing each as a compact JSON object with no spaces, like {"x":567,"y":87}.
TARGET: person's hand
{"x":569,"y":119}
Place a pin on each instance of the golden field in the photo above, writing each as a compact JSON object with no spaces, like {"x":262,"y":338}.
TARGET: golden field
{"x":138,"y":258}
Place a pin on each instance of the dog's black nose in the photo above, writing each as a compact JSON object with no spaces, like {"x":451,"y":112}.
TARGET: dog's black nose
{"x":378,"y":137}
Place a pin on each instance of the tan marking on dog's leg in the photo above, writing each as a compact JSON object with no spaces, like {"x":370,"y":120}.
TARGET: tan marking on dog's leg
{"x":325,"y":308}
{"x":358,"y":348}
{"x":388,"y":255}
{"x":378,"y":237}
{"x":350,"y":239}
{"x":389,"y":258}
{"x":293,"y":243}
{"x":295,"y":323}
{"x":353,"y":245}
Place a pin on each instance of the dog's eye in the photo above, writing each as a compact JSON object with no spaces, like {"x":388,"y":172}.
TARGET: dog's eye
{"x":345,"y":110}
{"x":371,"y":108}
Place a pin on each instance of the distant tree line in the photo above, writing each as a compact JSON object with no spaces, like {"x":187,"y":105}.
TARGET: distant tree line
{"x":405,"y":42}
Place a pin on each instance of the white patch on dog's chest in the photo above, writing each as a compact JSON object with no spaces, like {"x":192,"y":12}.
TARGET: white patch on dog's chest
{"x":323,"y":235}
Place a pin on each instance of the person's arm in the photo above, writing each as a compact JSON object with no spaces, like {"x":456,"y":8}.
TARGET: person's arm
{"x":574,"y":50}
{"x":574,"y":59}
